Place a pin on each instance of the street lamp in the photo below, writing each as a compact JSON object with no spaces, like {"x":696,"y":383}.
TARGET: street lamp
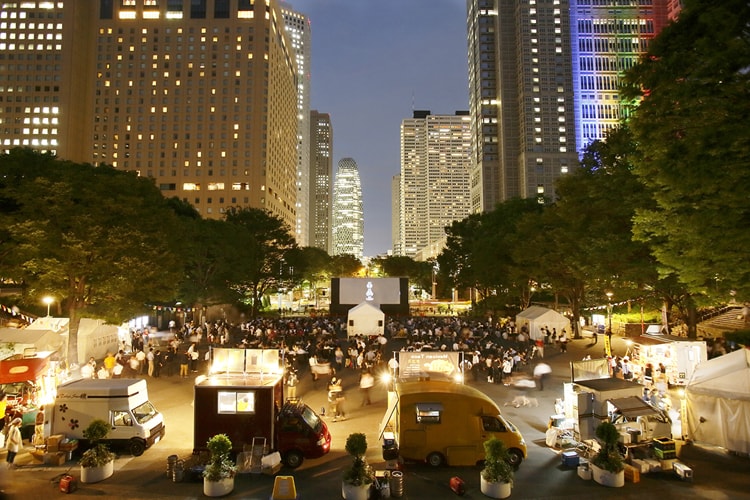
{"x":48,"y":300}
{"x":609,"y":310}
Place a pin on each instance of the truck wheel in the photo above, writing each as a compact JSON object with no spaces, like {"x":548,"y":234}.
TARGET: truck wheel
{"x":515,"y":457}
{"x":136,"y":447}
{"x":435,"y":459}
{"x":293,"y":459}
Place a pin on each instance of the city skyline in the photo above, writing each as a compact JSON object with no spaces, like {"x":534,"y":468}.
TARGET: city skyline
{"x":370,"y":68}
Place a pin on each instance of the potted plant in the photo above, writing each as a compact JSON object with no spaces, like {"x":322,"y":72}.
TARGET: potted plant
{"x":218,"y":476}
{"x":358,"y":478}
{"x":496,"y":478}
{"x":607,"y":466}
{"x":97,"y":463}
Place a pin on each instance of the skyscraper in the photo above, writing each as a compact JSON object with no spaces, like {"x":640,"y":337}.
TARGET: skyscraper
{"x":609,"y":36}
{"x":434,"y":189}
{"x":298,"y":28}
{"x":520,"y":99}
{"x":321,"y":187}
{"x":348,"y":226}
{"x":200,"y":95}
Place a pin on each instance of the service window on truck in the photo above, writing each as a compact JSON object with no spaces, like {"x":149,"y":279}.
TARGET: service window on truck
{"x":236,"y":402}
{"x":429,"y":413}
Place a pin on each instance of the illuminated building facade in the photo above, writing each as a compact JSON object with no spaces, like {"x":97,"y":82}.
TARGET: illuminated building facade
{"x":520,"y":99}
{"x":201,"y":96}
{"x":321,"y":167}
{"x":434,"y":189}
{"x":348,"y":225}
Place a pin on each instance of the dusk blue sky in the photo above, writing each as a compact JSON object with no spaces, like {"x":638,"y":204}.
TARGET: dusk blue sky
{"x":372,"y":63}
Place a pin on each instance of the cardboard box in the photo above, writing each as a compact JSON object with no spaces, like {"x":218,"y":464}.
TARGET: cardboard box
{"x":271,"y":471}
{"x":53,"y":442}
{"x":570,"y":459}
{"x":632,"y":474}
{"x":54,"y":459}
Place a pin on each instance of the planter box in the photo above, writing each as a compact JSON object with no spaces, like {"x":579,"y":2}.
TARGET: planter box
{"x":606,"y":478}
{"x":96,"y":474}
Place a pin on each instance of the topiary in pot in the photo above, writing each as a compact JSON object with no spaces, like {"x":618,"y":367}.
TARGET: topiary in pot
{"x":360,"y":473}
{"x":608,"y":457}
{"x":220,"y":465}
{"x":496,"y":478}
{"x":497,"y":466}
{"x":98,"y":454}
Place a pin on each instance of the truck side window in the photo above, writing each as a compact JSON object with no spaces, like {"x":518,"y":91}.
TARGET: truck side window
{"x":122,"y":418}
{"x":429,"y":413}
{"x":491,"y":424}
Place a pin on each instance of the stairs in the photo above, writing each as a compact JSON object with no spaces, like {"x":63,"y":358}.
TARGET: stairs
{"x":730,"y":320}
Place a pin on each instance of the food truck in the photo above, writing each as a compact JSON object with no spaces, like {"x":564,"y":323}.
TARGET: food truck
{"x":243,"y":397}
{"x":593,"y":397}
{"x":679,"y":355}
{"x":29,"y":380}
{"x":444,"y":423}
{"x":123,"y":403}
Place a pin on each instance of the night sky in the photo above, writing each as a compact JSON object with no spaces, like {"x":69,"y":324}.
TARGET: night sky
{"x":372,"y":63}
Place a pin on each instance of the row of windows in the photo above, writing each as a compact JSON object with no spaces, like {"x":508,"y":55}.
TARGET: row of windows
{"x":627,"y":45}
{"x":608,"y":63}
{"x":616,"y":26}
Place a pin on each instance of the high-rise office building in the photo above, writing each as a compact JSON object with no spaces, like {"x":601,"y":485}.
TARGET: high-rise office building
{"x":520,"y":99}
{"x":348,"y":223}
{"x":200,"y":95}
{"x":396,"y":215}
{"x":321,"y":178}
{"x":435,"y":166}
{"x":298,"y":28}
{"x":609,"y":37}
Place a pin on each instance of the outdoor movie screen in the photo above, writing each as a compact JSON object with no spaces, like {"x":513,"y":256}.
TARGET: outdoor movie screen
{"x":382,"y":291}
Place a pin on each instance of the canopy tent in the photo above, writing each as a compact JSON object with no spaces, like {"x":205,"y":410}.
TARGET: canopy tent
{"x":18,"y":341}
{"x":366,"y":319}
{"x":536,"y":317}
{"x":718,"y":402}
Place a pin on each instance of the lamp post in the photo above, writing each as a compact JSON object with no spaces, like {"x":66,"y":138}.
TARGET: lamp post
{"x":48,"y":300}
{"x":609,"y":311}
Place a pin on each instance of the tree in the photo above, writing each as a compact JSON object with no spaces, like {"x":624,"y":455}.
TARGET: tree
{"x":259,"y":264}
{"x":693,"y":151}
{"x":97,"y":238}
{"x":345,"y":265}
{"x":418,"y":272}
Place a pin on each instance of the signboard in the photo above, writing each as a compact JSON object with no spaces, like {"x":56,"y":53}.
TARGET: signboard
{"x":431,"y":364}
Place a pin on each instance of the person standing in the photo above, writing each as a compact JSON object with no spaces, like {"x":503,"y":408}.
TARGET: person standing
{"x":141,"y":357}
{"x":150,"y":357}
{"x":366,"y":381}
{"x":184,"y":360}
{"x":14,"y":442}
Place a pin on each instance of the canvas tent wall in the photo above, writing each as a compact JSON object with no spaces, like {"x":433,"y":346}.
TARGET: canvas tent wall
{"x":17,"y":341}
{"x":537,"y":317}
{"x":718,"y":402}
{"x":365,"y":319}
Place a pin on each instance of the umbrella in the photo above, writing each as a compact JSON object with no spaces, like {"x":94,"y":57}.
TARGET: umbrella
{"x":542,"y":369}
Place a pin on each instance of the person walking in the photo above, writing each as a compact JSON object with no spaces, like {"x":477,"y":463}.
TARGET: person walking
{"x":150,"y":357}
{"x":14,"y":442}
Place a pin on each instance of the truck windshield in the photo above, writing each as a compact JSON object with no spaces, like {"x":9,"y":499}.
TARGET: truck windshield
{"x":145,"y":412}
{"x":312,"y":419}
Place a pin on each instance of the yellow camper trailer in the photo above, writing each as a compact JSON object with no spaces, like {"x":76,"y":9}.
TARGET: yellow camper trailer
{"x":445,"y":423}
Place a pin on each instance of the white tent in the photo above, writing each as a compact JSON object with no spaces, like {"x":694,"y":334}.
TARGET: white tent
{"x":16,"y":341}
{"x":718,"y":402}
{"x":537,"y":317}
{"x":365,"y":318}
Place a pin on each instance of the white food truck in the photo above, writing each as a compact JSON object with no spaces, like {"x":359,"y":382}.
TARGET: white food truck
{"x":136,"y":424}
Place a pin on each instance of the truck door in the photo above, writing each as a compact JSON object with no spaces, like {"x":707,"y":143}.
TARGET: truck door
{"x":122,"y":425}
